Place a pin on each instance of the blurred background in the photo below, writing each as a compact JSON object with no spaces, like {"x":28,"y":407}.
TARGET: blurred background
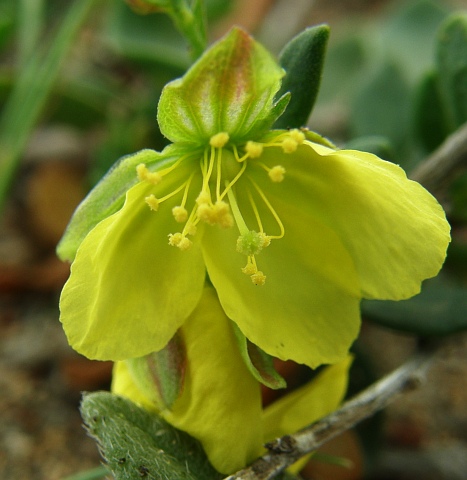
{"x":79,"y":85}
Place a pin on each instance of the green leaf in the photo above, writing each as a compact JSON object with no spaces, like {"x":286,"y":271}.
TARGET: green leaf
{"x":231,"y":89}
{"x":430,"y":113}
{"x":31,"y":90}
{"x":137,"y":444}
{"x":452,"y":67}
{"x":440,"y":309}
{"x":260,"y":364}
{"x":302,"y":59}
{"x":383,"y":106}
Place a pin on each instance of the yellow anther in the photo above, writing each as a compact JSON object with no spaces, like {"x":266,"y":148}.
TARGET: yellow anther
{"x":258,"y":278}
{"x":265,"y":240}
{"x":253,"y":149}
{"x":179,"y":240}
{"x":206,"y":213}
{"x":297,"y":135}
{"x":203,"y":198}
{"x":249,"y":269}
{"x":185,"y":244}
{"x":152,"y":201}
{"x":141,"y":172}
{"x":276,"y":174}
{"x":222,"y":214}
{"x":190,"y":229}
{"x":219,"y":140}
{"x":217,"y":214}
{"x":180,"y":214}
{"x":289,"y":145}
{"x":145,"y":175}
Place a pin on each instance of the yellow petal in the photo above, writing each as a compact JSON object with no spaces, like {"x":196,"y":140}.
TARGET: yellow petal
{"x":220,"y":404}
{"x":124,"y":385}
{"x":308,"y":308}
{"x":395,"y":231}
{"x":129,"y":291}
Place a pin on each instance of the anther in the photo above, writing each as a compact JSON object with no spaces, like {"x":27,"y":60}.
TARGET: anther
{"x":219,"y":140}
{"x":249,"y":269}
{"x":222,"y":214}
{"x":145,"y":175}
{"x":203,"y":198}
{"x":253,"y":149}
{"x":179,"y":240}
{"x":258,"y":278}
{"x":180,"y":214}
{"x":297,"y":135}
{"x":289,"y":145}
{"x":152,"y":202}
{"x":276,"y":174}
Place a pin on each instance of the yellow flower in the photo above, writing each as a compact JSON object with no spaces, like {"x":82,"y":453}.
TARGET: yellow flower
{"x":220,"y":401}
{"x":292,"y":232}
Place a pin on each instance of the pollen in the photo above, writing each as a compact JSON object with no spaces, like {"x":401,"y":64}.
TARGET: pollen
{"x":217,"y":214}
{"x":276,"y":174}
{"x":145,"y":175}
{"x":258,"y":278}
{"x":180,"y":214}
{"x":203,"y":198}
{"x":152,"y":202}
{"x":289,"y":145}
{"x":249,"y":269}
{"x":219,"y":140}
{"x":179,"y":240}
{"x":253,"y":149}
{"x":297,"y":135}
{"x":222,"y":215}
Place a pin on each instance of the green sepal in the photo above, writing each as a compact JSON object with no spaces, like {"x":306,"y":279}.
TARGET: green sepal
{"x":260,"y":364}
{"x":452,"y":67}
{"x":108,"y":196}
{"x":231,"y":89}
{"x":138,"y":444}
{"x":302,"y":59}
{"x":160,"y":375}
{"x":438,"y":310}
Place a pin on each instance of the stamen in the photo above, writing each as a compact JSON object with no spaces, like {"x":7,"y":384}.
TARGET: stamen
{"x":271,"y":209}
{"x":145,"y":175}
{"x":180,"y":214}
{"x":234,"y":181}
{"x":179,"y":240}
{"x":253,"y":149}
{"x":219,"y":140}
{"x":258,"y":278}
{"x":276,"y":173}
{"x":152,"y":202}
{"x":289,"y":145}
{"x":297,"y":135}
{"x":222,"y":214}
{"x":250,"y":268}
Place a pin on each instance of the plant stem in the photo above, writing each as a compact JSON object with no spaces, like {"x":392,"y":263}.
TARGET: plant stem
{"x":286,"y":450}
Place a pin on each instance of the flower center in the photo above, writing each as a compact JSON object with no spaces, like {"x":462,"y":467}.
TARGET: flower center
{"x":222,"y":165}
